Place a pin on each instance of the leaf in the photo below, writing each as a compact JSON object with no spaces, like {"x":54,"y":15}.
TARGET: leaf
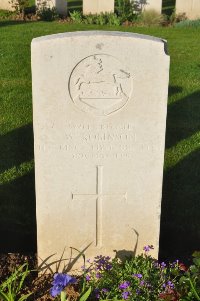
{"x":183,"y":279}
{"x":24,"y":297}
{"x":196,"y":254}
{"x":86,"y":295}
{"x":24,"y":275}
{"x":197,"y":261}
{"x":81,"y":253}
{"x":63,"y":296}
{"x":60,"y":260}
{"x":3,"y":295}
{"x":40,"y":268}
{"x":194,"y":269}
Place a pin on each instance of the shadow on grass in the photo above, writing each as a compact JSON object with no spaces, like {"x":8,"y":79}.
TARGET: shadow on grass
{"x":16,"y":147}
{"x":182,"y":118}
{"x":180,"y":222}
{"x":11,"y":22}
{"x":17,"y":206}
{"x":18,"y":215}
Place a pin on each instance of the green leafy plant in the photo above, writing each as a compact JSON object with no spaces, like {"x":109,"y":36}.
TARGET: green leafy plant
{"x":113,"y":19}
{"x":128,"y":10}
{"x":98,"y":19}
{"x":188,"y":23}
{"x":190,"y":282}
{"x":76,"y":16}
{"x":45,"y":12}
{"x":125,"y":10}
{"x":10,"y":289}
{"x":137,"y":278}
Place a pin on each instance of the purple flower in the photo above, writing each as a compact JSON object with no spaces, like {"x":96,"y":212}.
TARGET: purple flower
{"x":125,"y":295}
{"x":98,"y":275}
{"x":138,"y":291}
{"x":105,"y":290}
{"x":170,"y":284}
{"x":139,"y":276}
{"x":108,"y":266}
{"x":108,"y":258}
{"x":102,"y":263}
{"x":96,"y":291}
{"x":163,"y":265}
{"x":142,"y":283}
{"x":175,"y":263}
{"x":60,"y":282}
{"x":148,"y":248}
{"x":124,"y":285}
{"x":87,"y":277}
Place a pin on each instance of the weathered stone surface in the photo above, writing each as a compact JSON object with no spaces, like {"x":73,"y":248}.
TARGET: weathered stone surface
{"x":97,"y":6}
{"x":5,"y":4}
{"x":155,"y":5}
{"x":190,"y":7}
{"x":60,"y":5}
{"x":99,"y":128}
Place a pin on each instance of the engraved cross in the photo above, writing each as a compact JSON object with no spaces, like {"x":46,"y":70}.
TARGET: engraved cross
{"x":99,"y":202}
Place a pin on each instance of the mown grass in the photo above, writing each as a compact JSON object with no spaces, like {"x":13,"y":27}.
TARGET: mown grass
{"x":180,"y":227}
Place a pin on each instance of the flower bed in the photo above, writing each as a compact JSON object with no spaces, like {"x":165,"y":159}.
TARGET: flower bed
{"x":139,"y":278}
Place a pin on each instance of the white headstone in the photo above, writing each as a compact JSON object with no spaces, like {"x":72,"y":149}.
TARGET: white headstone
{"x":98,"y":6}
{"x":60,"y":5}
{"x":190,"y":7}
{"x":5,"y":4}
{"x":154,"y":5}
{"x":99,"y":127}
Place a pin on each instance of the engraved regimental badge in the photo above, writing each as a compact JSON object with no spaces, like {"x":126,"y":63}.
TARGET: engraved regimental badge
{"x":100,"y":85}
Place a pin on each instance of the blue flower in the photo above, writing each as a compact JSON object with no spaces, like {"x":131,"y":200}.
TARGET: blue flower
{"x":60,"y":282}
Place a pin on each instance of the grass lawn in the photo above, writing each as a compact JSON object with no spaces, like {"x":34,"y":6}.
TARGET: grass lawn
{"x":180,"y":227}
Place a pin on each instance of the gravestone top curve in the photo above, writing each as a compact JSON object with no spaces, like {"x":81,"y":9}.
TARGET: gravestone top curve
{"x":94,"y":33}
